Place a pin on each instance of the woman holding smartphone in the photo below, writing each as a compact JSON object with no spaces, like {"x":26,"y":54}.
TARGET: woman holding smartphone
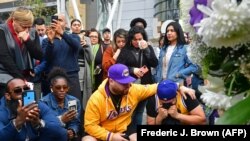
{"x":139,"y":56}
{"x":66,"y":107}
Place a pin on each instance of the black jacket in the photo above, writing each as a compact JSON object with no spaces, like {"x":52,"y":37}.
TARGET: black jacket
{"x":135,"y":57}
{"x":7,"y":59}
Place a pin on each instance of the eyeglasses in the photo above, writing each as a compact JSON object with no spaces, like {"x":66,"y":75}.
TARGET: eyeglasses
{"x":20,"y":89}
{"x":59,"y":87}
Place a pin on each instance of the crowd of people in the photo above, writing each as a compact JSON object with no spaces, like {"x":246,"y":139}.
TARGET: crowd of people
{"x":109,"y":82}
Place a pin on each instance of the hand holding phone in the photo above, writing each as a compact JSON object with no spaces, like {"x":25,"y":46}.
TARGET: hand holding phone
{"x":81,"y":35}
{"x":72,"y":105}
{"x":68,"y":116}
{"x":28,"y":97}
{"x":50,"y":33}
{"x":144,"y":69}
{"x":53,"y":18}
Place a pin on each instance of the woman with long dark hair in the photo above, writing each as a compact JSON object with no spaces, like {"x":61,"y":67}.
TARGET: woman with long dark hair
{"x":139,"y":56}
{"x":173,"y":60}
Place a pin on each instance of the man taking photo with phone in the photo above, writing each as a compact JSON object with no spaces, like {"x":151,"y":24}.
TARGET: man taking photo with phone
{"x":62,"y":51}
{"x":32,"y":122}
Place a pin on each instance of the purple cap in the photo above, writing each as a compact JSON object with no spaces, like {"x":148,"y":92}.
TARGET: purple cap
{"x":120,"y":73}
{"x":167,"y":90}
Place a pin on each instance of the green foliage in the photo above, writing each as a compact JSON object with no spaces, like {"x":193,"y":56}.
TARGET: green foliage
{"x":38,"y":8}
{"x":209,"y":62}
{"x":240,"y":83}
{"x":238,"y":114}
{"x":225,"y":63}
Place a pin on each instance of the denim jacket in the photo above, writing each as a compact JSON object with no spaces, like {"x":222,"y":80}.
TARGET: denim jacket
{"x":50,"y":132}
{"x":179,"y":66}
{"x":52,"y":103}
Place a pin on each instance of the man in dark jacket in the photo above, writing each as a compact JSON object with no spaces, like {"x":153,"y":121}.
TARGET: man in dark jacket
{"x":62,"y":50}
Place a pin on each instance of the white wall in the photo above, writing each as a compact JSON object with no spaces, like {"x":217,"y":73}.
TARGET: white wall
{"x":136,"y":8}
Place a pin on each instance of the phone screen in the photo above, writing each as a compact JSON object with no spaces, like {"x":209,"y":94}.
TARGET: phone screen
{"x":72,"y":105}
{"x":144,"y":69}
{"x":54,"y":18}
{"x":28,"y":97}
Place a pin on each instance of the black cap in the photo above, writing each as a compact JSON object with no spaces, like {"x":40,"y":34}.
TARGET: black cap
{"x":106,"y":30}
{"x":136,"y":20}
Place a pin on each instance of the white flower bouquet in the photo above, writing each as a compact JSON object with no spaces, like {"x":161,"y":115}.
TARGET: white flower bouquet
{"x":220,"y":30}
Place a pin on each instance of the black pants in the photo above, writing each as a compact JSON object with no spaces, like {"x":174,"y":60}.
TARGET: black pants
{"x":74,"y":84}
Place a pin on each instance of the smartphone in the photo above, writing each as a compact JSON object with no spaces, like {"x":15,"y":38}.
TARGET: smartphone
{"x":72,"y":105}
{"x":144,"y":69}
{"x":81,"y":35}
{"x":28,"y":97}
{"x":54,"y":17}
{"x":87,"y":39}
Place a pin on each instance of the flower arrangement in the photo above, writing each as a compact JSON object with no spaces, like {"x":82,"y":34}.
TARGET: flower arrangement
{"x":221,"y":47}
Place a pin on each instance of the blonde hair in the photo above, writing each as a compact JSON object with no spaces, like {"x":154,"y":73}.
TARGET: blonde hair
{"x":22,"y":15}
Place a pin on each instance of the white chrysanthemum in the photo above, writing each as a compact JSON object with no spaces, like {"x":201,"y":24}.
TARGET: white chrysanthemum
{"x":185,"y":6}
{"x":227,"y":23}
{"x":216,"y":100}
{"x":197,"y":51}
{"x":245,"y":70}
{"x":220,"y":100}
{"x":213,"y":94}
{"x":215,"y":84}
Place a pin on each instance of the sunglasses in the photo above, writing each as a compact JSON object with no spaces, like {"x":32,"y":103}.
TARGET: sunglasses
{"x":20,"y":89}
{"x":59,"y":87}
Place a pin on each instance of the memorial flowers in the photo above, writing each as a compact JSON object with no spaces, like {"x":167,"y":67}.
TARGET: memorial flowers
{"x":221,"y":47}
